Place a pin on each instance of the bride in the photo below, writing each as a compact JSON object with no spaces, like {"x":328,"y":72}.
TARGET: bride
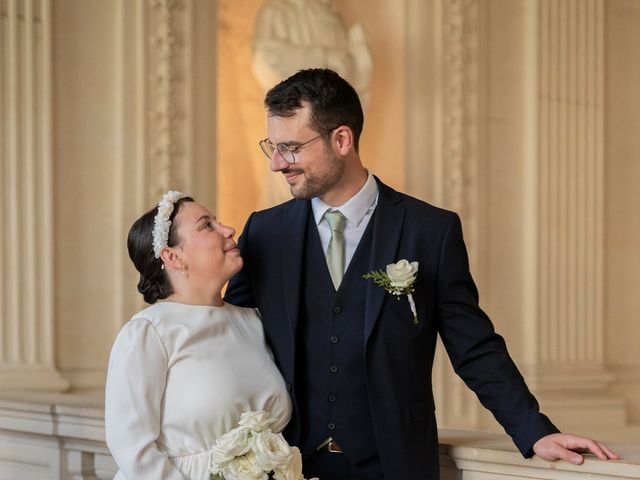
{"x":183,"y":370}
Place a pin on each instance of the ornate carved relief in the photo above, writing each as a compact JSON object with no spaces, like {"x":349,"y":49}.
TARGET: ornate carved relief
{"x":165,"y":89}
{"x":451,"y":30}
{"x":461,"y":159}
{"x":461,"y":153}
{"x":154,"y":119}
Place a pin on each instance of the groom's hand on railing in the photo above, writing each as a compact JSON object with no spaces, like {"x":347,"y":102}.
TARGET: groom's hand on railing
{"x":565,"y":446}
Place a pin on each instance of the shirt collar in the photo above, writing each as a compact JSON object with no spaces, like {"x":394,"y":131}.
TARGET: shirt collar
{"x":353,"y":209}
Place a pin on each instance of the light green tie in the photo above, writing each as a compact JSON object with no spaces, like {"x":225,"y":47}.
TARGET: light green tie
{"x":335,"y":252}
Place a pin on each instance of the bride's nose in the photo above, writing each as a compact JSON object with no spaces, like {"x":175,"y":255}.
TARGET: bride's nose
{"x":227,"y":232}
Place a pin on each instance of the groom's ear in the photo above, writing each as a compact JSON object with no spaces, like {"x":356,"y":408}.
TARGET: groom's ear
{"x":343,"y":139}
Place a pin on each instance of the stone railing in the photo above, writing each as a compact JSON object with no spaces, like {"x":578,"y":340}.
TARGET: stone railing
{"x":53,"y":437}
{"x":466,"y":455}
{"x":61,"y":437}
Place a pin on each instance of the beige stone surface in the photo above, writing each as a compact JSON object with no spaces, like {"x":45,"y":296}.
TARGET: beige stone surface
{"x":622,"y":171}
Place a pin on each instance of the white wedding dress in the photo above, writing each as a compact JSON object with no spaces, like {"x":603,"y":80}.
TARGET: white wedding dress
{"x":179,"y":377}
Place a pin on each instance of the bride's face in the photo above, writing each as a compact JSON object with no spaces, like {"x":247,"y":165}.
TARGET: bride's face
{"x":207,"y":247}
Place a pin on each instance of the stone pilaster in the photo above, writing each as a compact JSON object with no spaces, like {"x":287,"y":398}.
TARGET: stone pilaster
{"x":565,"y":214}
{"x":26,"y":260}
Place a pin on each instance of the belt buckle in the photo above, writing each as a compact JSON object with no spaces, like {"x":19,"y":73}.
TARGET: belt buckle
{"x":330,"y":445}
{"x":333,"y":447}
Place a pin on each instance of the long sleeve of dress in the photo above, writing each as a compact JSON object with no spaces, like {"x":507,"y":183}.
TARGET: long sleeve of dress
{"x":135,"y":384}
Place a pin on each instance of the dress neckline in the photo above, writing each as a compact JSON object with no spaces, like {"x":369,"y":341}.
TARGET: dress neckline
{"x":215,"y":307}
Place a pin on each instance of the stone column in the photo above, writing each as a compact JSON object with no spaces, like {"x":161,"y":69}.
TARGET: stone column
{"x":26,"y":255}
{"x":564,"y":213}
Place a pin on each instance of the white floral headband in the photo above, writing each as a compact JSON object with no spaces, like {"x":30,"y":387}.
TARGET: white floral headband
{"x":162,"y":224}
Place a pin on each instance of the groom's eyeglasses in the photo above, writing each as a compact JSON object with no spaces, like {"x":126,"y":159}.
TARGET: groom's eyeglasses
{"x":287,"y":152}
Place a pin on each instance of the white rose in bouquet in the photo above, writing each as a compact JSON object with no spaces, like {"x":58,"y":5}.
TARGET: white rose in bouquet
{"x":230,"y":445}
{"x":252,"y":451}
{"x":272,"y":450}
{"x":243,"y":468}
{"x":256,"y":421}
{"x":294,"y":470}
{"x":402,"y":274}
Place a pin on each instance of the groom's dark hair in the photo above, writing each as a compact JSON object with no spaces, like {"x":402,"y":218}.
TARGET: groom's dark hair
{"x":333,"y":101}
{"x":154,"y":283}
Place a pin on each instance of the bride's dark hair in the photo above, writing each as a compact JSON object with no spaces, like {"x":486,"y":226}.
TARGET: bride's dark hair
{"x":154,"y":283}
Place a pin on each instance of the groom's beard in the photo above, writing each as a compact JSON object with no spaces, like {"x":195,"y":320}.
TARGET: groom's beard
{"x":318,"y":183}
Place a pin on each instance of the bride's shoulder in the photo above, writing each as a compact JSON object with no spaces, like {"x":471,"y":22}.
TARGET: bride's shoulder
{"x":153,"y":314}
{"x":245,"y":316}
{"x":141,"y":328}
{"x":243,"y":312}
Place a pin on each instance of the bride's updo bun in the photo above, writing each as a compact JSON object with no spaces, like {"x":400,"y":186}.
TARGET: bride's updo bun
{"x":154,"y":283}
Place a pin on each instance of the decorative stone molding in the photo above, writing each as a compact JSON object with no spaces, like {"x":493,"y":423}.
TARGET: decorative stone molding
{"x":164,"y":117}
{"x":166,"y":90}
{"x":444,"y":56}
{"x":26,"y":255}
{"x":461,"y":49}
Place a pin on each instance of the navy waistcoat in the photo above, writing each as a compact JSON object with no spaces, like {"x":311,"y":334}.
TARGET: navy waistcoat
{"x":330,"y":381}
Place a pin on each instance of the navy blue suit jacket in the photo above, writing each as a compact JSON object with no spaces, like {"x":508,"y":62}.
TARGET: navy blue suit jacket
{"x":398,"y":354}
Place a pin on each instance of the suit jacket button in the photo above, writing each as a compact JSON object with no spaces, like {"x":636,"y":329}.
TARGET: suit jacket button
{"x":331,"y":426}
{"x":334,"y":339}
{"x":333,"y":368}
{"x":337,"y":310}
{"x":332,"y":398}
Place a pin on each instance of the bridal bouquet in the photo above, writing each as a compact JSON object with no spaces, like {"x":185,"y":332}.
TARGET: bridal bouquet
{"x":251,"y":451}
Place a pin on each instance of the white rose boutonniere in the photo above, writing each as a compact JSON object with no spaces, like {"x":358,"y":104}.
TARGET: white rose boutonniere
{"x":398,"y":280}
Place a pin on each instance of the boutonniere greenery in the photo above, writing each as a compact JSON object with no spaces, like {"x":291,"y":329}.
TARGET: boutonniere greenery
{"x":398,"y":280}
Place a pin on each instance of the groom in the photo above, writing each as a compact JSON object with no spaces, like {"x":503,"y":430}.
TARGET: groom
{"x":356,"y":364}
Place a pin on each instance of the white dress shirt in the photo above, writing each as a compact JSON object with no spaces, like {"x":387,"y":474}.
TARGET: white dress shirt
{"x":357,"y":210}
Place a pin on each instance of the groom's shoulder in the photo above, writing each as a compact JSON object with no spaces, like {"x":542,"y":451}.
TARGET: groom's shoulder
{"x":416,"y":207}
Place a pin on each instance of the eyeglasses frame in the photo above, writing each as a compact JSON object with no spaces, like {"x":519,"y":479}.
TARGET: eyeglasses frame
{"x":265,"y":144}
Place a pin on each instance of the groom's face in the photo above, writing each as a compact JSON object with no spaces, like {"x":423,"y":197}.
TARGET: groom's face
{"x":317,"y":168}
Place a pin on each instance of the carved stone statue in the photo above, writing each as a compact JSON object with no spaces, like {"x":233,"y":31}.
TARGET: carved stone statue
{"x":292,"y":35}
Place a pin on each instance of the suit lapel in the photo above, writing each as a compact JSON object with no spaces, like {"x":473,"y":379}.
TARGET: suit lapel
{"x":292,"y":256}
{"x":387,"y":230}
